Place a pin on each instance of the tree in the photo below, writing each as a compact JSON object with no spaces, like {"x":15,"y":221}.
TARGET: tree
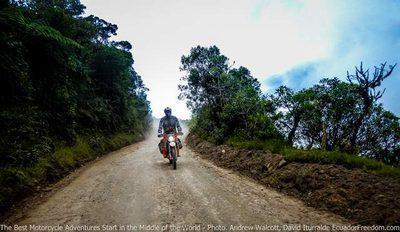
{"x":292,"y":107}
{"x":337,"y":102}
{"x":55,"y":82}
{"x":72,"y":7}
{"x":368,"y":92}
{"x":204,"y":69}
{"x":379,"y":136}
{"x":332,"y":115}
{"x":323,"y":115}
{"x":226,"y":101}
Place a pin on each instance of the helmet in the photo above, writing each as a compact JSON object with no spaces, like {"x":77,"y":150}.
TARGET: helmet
{"x":167,"y":111}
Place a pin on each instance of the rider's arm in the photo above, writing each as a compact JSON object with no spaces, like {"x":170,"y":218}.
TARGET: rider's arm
{"x":178,"y":126}
{"x":160,"y":126}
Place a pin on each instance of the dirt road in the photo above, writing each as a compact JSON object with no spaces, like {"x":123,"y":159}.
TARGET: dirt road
{"x":136,"y":186}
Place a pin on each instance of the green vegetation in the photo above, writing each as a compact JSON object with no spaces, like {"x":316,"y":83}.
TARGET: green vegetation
{"x":52,"y":167}
{"x":225,"y":101}
{"x":292,"y":154}
{"x":67,"y":92}
{"x":332,"y":122}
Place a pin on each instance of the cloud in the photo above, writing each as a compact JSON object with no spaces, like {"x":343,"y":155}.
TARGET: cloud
{"x":295,"y":78}
{"x":367,"y":31}
{"x":297,"y":41}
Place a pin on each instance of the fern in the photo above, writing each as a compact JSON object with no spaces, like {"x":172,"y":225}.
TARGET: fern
{"x":10,"y":18}
{"x":50,"y":33}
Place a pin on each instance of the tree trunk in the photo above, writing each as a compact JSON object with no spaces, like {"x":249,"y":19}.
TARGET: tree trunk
{"x":292,"y":132}
{"x":324,"y":137}
{"x":310,"y":145}
{"x":357,"y":126}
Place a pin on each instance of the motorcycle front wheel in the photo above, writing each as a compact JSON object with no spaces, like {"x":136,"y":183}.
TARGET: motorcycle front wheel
{"x":173,"y":151}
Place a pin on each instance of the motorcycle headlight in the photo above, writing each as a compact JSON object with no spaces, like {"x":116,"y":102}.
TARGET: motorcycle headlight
{"x":172,"y":144}
{"x":171,"y":138}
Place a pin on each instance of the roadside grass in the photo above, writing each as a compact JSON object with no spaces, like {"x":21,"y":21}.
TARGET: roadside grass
{"x":17,"y":181}
{"x":317,"y":156}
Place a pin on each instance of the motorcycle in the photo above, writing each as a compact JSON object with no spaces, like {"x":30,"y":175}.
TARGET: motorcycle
{"x":172,"y":147}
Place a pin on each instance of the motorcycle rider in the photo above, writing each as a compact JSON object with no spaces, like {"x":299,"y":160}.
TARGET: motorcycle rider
{"x":170,"y":125}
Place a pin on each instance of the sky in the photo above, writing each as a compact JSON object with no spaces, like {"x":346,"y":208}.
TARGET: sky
{"x":295,"y":43}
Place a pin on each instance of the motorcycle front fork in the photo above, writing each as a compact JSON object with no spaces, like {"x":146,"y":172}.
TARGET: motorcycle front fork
{"x":170,"y":157}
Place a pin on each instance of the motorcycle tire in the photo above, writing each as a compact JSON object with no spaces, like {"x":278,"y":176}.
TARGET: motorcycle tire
{"x":174,"y":158}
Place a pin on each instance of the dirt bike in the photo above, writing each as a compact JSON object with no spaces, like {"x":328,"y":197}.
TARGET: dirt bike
{"x":172,"y":147}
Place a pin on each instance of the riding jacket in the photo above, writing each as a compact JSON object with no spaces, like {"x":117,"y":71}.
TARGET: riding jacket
{"x":169,"y":124}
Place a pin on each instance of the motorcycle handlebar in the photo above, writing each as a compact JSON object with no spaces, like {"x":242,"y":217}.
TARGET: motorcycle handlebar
{"x":161,"y":135}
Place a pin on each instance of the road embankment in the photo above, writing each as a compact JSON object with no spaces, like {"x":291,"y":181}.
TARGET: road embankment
{"x":355,"y":194}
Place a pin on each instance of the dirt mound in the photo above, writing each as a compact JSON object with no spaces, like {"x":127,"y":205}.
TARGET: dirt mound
{"x":363,"y":197}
